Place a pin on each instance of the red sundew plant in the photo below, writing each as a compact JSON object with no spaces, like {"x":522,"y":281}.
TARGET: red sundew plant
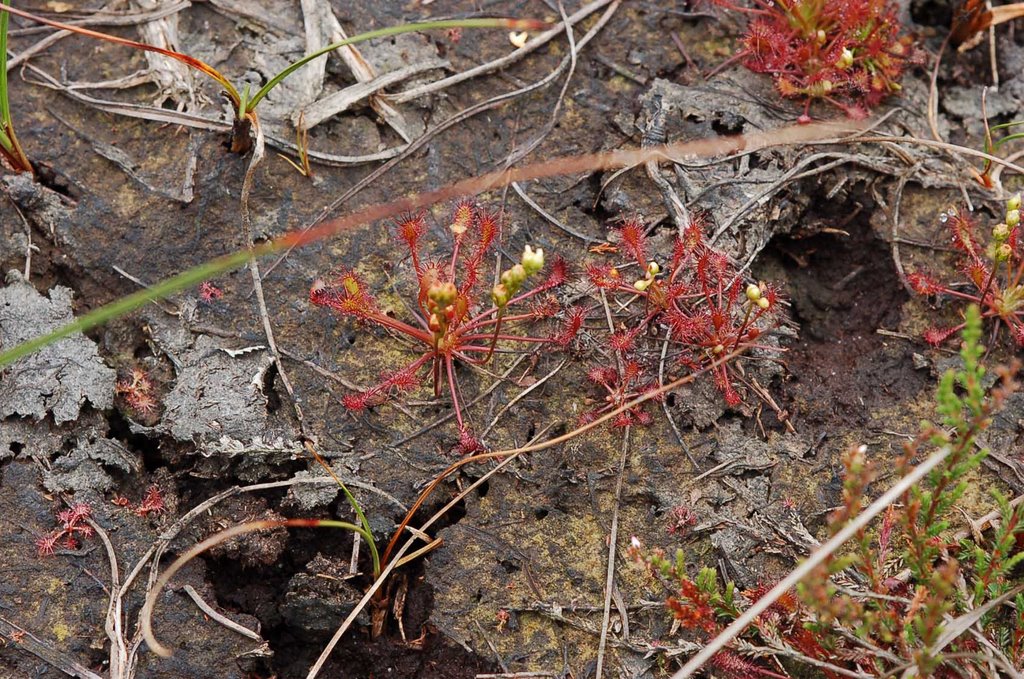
{"x":152,"y":503}
{"x":701,"y":300}
{"x":73,"y":524}
{"x":994,"y":272}
{"x":621,"y":385}
{"x":847,"y":52}
{"x":450,"y":318}
{"x":209,"y":293}
{"x":681,"y":519}
{"x":138,"y":393}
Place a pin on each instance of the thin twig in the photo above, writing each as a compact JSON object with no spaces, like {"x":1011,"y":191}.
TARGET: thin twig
{"x":613,"y":540}
{"x":897,"y":201}
{"x":34,"y":645}
{"x":254,"y":269}
{"x":551,"y":219}
{"x":113,"y":623}
{"x":500,"y":63}
{"x":664,"y":402}
{"x":521,"y":395}
{"x":933,"y":93}
{"x":220,"y":617}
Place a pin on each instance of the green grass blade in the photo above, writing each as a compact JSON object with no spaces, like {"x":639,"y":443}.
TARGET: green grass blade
{"x":1011,"y":137}
{"x":366,"y":532}
{"x":129,"y":303}
{"x":1003,"y":126}
{"x":8,"y":140}
{"x":525,"y":24}
{"x":5,"y":141}
{"x":5,"y":102}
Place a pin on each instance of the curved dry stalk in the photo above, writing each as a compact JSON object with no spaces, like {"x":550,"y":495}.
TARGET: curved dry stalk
{"x":219,"y":617}
{"x":933,"y":94}
{"x":146,"y":614}
{"x":113,"y":624}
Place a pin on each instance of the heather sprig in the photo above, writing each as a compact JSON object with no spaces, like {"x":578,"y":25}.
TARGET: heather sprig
{"x":453,"y":320}
{"x":883,"y":606}
{"x":994,"y":564}
{"x":703,"y":605}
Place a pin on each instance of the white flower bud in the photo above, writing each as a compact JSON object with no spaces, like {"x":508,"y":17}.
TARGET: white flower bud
{"x":753,"y":292}
{"x":845,"y":59}
{"x":533,"y":260}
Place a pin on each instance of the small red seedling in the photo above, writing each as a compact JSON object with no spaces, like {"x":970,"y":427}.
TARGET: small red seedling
{"x":846,"y":52}
{"x":681,"y":519}
{"x":138,"y":393}
{"x":208,"y":292}
{"x":152,"y":503}
{"x":621,"y":387}
{"x":450,"y":318}
{"x":73,"y":523}
{"x":994,"y":272}
{"x":701,"y":300}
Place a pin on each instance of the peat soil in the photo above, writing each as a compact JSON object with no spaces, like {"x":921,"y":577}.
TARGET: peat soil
{"x":517,"y":581}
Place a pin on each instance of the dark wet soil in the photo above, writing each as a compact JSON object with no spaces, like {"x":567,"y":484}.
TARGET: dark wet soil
{"x":843,"y":287}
